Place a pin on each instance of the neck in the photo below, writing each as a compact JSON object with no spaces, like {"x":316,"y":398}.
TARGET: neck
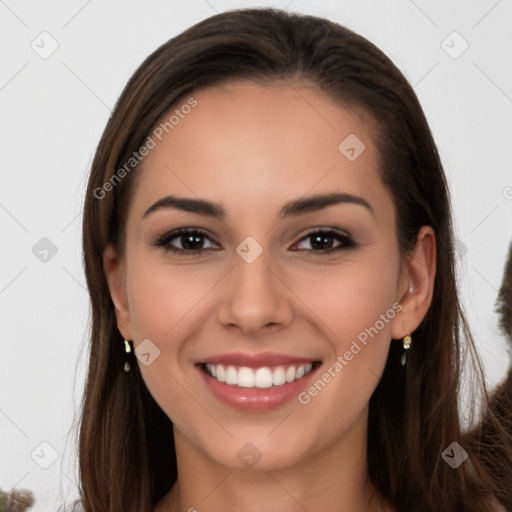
{"x":333,"y":479}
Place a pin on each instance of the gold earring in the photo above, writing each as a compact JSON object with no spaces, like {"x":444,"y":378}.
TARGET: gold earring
{"x":127,"y":349}
{"x":406,"y":342}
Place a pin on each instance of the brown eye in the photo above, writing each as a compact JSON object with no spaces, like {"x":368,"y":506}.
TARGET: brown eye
{"x":322,"y":241}
{"x":191,"y":241}
{"x":184,"y":241}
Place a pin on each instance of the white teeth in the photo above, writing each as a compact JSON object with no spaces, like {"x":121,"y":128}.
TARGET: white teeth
{"x":245,"y":377}
{"x":278,"y":376}
{"x":221,"y":373}
{"x":261,"y":378}
{"x":212,"y":369}
{"x":231,"y":376}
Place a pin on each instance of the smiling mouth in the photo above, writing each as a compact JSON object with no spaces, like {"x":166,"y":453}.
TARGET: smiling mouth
{"x":263,"y":377}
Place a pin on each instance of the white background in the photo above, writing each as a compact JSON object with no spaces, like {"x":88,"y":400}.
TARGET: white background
{"x":53,"y":112}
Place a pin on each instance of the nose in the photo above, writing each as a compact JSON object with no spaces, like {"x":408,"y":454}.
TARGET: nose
{"x":256,"y":297}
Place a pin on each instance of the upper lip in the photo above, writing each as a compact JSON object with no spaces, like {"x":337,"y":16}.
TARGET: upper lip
{"x":255,"y":360}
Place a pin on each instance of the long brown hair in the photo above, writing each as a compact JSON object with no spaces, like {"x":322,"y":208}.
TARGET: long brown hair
{"x":127,"y":460}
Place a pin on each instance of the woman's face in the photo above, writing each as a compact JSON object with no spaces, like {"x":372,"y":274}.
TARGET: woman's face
{"x":264,"y":302}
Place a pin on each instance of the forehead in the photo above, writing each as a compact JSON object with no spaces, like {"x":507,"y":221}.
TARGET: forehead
{"x":242,"y":142}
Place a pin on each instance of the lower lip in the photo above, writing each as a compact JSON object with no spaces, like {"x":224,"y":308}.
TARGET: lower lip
{"x":255,"y":399}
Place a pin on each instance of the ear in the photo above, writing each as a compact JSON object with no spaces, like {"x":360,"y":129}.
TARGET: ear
{"x":115,"y":273}
{"x":416,"y":284}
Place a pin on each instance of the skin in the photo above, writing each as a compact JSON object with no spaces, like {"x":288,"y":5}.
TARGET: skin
{"x":251,"y":149}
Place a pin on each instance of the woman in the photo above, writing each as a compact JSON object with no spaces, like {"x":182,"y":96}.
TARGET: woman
{"x":275,"y":321}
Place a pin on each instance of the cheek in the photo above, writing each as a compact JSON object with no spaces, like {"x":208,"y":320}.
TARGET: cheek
{"x":352,"y":296}
{"x":161,"y":296}
{"x":356,"y":304}
{"x":162,"y":301}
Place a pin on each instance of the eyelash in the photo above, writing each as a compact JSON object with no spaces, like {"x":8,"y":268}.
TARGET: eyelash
{"x":165,"y":239}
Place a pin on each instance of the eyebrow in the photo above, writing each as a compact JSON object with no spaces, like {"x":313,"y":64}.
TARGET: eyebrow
{"x":299,"y":206}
